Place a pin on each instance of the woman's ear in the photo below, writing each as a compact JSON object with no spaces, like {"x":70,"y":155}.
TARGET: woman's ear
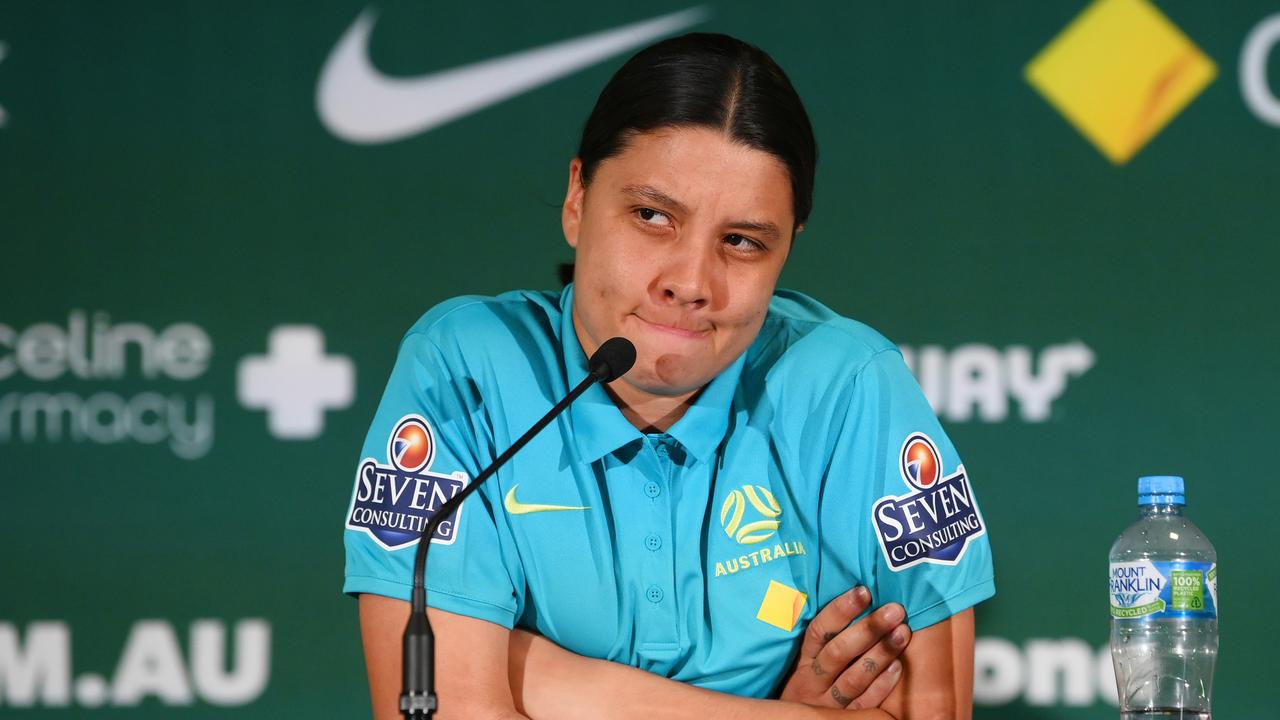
{"x":571,"y":212}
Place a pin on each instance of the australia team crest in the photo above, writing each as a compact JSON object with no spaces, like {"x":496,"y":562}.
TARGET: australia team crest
{"x":393,"y":501}
{"x":935,"y":520}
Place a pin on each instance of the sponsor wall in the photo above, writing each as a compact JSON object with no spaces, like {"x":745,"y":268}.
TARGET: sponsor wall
{"x":217,"y":221}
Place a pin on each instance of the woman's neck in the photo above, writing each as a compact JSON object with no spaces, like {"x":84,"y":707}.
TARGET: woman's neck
{"x":648,"y":412}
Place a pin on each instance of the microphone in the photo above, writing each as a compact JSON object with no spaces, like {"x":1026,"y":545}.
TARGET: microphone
{"x":418,"y":700}
{"x":612,"y":359}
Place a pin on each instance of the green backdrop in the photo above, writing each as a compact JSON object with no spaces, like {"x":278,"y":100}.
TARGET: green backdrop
{"x":172,"y":200}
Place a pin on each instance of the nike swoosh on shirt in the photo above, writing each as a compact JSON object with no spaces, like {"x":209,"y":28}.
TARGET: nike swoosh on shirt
{"x":359,"y":104}
{"x":515,"y":507}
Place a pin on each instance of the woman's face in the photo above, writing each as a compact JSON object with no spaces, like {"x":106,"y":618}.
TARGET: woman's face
{"x":680,"y":239}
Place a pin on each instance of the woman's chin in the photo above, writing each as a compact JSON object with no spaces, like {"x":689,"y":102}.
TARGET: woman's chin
{"x":668,"y":379}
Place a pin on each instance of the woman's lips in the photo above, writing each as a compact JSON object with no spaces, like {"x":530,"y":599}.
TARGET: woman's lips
{"x":673,"y":330}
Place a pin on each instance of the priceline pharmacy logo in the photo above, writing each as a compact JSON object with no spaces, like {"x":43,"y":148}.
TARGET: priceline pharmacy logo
{"x":75,"y":372}
{"x":93,"y":352}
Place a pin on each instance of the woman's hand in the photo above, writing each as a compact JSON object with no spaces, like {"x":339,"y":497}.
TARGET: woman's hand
{"x":551,"y":683}
{"x":849,"y":666}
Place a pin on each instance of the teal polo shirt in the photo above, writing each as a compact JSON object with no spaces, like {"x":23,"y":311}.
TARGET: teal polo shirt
{"x":810,"y":465}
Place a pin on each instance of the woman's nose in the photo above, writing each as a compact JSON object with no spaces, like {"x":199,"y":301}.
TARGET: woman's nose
{"x":688,"y":276}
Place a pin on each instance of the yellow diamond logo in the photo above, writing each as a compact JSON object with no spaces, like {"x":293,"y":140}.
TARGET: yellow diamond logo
{"x":782,"y":605}
{"x":1119,"y":73}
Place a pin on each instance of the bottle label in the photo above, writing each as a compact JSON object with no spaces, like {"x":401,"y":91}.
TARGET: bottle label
{"x":1164,"y":589}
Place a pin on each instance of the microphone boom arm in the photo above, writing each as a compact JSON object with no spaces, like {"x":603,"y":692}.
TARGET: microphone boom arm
{"x":418,"y":699}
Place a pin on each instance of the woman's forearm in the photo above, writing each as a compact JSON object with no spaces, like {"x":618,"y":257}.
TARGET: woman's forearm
{"x":548,"y":681}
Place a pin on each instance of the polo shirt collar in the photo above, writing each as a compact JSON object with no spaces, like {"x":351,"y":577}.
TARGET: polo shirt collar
{"x":600,"y":428}
{"x":702,"y":427}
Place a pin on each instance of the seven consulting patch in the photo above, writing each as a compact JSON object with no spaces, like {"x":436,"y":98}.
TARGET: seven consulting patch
{"x":394,"y":502}
{"x":936,"y":520}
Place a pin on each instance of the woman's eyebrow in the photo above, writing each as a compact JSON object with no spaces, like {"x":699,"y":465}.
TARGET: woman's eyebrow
{"x":651,"y":194}
{"x":655,"y":196}
{"x":767,"y":229}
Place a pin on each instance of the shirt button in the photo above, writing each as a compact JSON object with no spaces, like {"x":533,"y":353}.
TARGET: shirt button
{"x":654,"y":594}
{"x":652,"y":489}
{"x":652,"y":541}
{"x":662,"y":450}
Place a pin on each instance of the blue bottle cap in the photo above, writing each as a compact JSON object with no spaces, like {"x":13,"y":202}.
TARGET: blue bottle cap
{"x":1161,"y":490}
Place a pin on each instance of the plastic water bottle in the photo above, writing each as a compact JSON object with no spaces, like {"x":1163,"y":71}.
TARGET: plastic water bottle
{"x":1164,"y":609}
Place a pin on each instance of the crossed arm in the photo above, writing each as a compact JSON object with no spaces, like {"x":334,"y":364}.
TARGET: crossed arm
{"x":546,"y":681}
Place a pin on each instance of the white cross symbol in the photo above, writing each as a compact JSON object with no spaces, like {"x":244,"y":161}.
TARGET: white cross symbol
{"x":295,"y":382}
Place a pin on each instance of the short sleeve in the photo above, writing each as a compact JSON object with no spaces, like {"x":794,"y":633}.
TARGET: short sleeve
{"x":916,"y":535}
{"x":428,"y":439}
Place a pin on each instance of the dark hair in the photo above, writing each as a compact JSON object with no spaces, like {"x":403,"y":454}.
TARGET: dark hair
{"x":709,"y":80}
{"x":713,"y":81}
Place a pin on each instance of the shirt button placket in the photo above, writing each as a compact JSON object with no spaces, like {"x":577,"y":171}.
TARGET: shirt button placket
{"x":662,"y":632}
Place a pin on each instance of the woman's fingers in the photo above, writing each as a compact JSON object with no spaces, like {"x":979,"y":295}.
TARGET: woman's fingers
{"x":839,"y":652}
{"x":869,"y":679}
{"x":879,"y":689}
{"x":843,"y":664}
{"x":832,"y":620}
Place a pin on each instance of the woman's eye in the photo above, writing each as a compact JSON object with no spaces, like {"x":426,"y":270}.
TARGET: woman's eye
{"x":743,"y":243}
{"x":653,"y":217}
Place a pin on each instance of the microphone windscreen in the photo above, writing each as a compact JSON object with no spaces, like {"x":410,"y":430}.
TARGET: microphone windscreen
{"x":612,"y":359}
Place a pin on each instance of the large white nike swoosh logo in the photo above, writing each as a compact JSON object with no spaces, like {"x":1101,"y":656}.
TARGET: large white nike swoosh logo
{"x":361,"y":105}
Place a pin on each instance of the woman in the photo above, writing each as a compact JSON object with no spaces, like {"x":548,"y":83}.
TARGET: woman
{"x":691,"y":518}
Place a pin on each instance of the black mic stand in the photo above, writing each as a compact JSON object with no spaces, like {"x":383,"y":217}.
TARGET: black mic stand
{"x":418,"y":699}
